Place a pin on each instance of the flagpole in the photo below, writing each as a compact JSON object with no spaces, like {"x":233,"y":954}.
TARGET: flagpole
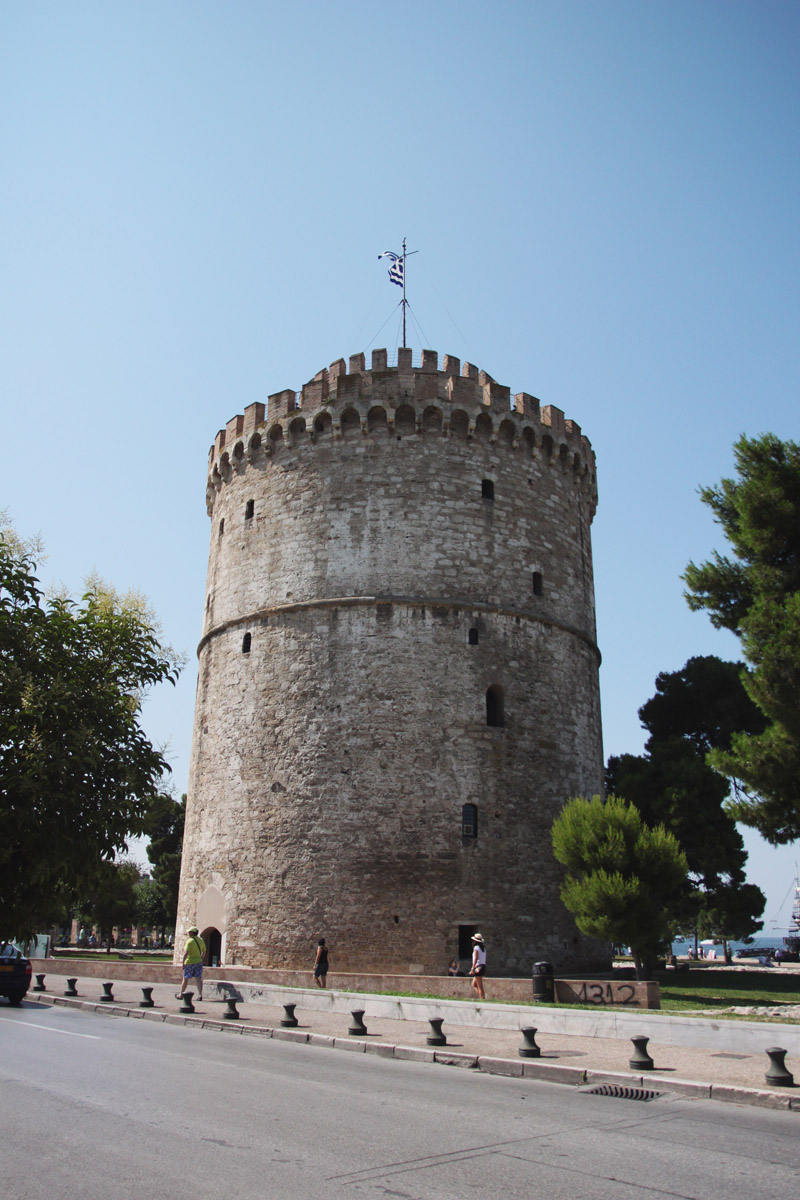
{"x":404,"y":293}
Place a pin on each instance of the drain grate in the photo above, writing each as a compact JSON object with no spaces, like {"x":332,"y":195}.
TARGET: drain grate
{"x":622,"y":1091}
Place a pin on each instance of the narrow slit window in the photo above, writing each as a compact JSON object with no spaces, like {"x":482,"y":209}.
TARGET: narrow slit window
{"x":246,"y":643}
{"x":487,"y":489}
{"x":249,"y":509}
{"x":537,"y":583}
{"x":495,"y":708}
{"x":469,"y":820}
{"x":222,"y":527}
{"x":473,"y":637}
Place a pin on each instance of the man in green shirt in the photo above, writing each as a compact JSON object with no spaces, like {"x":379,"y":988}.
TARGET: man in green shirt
{"x":193,"y":957}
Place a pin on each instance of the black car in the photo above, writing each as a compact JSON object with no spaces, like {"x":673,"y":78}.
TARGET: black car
{"x":15,"y":972}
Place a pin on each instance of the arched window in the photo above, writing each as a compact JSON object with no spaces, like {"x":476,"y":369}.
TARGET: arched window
{"x":246,"y":641}
{"x":494,"y":706}
{"x":469,"y":820}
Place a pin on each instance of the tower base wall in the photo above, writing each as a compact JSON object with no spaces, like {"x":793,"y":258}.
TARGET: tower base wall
{"x":327,"y":826}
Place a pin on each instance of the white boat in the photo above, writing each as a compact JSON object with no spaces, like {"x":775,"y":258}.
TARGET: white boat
{"x":792,"y":939}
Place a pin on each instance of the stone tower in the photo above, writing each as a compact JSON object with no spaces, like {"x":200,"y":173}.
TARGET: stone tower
{"x":398,"y":674}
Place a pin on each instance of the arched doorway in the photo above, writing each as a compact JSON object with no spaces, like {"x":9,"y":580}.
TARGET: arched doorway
{"x":212,"y":920}
{"x":213,"y":940}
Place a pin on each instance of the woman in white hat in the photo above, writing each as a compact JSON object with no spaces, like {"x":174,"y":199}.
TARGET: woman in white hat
{"x":478,"y":968}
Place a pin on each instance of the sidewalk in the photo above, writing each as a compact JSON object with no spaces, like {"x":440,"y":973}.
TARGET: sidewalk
{"x":720,"y":1070}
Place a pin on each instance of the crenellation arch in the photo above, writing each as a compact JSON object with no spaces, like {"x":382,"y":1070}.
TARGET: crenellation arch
{"x":484,"y":429}
{"x":350,"y":422}
{"x":378,"y":421}
{"x":507,"y":434}
{"x":459,"y":425}
{"x":432,"y":420}
{"x":405,"y":421}
{"x":323,"y":425}
{"x":297,"y":431}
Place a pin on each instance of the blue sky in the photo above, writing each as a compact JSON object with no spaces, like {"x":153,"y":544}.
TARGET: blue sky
{"x":193,"y":195}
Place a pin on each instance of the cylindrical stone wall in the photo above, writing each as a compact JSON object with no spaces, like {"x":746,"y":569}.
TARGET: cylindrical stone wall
{"x":399,"y":622}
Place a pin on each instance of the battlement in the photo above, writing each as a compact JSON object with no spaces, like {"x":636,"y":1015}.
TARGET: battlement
{"x":347,"y":399}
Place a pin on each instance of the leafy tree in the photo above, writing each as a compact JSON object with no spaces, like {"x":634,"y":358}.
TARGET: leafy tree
{"x":149,"y":905}
{"x":165,"y":827}
{"x":756,"y":594}
{"x":111,"y":900}
{"x":77,"y":772}
{"x":704,"y":704}
{"x":623,"y":878}
{"x":695,"y":710}
{"x":727,"y":912}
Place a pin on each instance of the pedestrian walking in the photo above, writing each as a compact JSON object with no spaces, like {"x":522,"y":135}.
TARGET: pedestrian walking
{"x":193,"y":956}
{"x":478,"y":968}
{"x":321,"y":964}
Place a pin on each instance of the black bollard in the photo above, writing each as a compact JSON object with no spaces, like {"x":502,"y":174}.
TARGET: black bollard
{"x":107,"y":994}
{"x":39,"y":985}
{"x":777,"y":1075}
{"x":232,"y":1013}
{"x":187,"y":1006}
{"x":357,"y":1027}
{"x":70,"y":989}
{"x":148,"y":1001}
{"x":641,"y":1060}
{"x":529,"y":1049}
{"x":290,"y":1020}
{"x":437,"y":1038}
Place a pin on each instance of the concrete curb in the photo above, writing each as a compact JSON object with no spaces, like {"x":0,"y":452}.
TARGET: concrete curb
{"x":514,"y":1068}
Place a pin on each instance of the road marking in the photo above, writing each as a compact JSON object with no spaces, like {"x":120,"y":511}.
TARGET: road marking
{"x":52,"y":1029}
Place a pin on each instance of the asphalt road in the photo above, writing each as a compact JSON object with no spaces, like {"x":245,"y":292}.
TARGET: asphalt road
{"x":102,"y":1108}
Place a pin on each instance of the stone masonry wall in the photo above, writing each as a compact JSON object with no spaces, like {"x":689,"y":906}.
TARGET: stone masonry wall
{"x":383,"y":551}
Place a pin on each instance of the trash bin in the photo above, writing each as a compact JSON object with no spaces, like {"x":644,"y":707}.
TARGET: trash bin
{"x":543,"y":983}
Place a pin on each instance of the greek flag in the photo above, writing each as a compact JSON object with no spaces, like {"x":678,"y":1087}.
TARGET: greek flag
{"x":397,"y":269}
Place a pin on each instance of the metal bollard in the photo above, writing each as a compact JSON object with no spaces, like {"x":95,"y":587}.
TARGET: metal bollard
{"x":437,"y":1038}
{"x":148,"y":1001}
{"x":641,"y":1060}
{"x":107,"y":993}
{"x":777,"y":1075}
{"x":39,"y":985}
{"x":187,"y":1006}
{"x":290,"y":1020}
{"x":70,"y":989}
{"x":357,"y":1027}
{"x":529,"y":1049}
{"x":232,"y":1013}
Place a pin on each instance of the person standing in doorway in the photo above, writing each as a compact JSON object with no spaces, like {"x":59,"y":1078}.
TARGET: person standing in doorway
{"x":193,"y":956}
{"x":321,"y":964}
{"x":478,"y":968}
